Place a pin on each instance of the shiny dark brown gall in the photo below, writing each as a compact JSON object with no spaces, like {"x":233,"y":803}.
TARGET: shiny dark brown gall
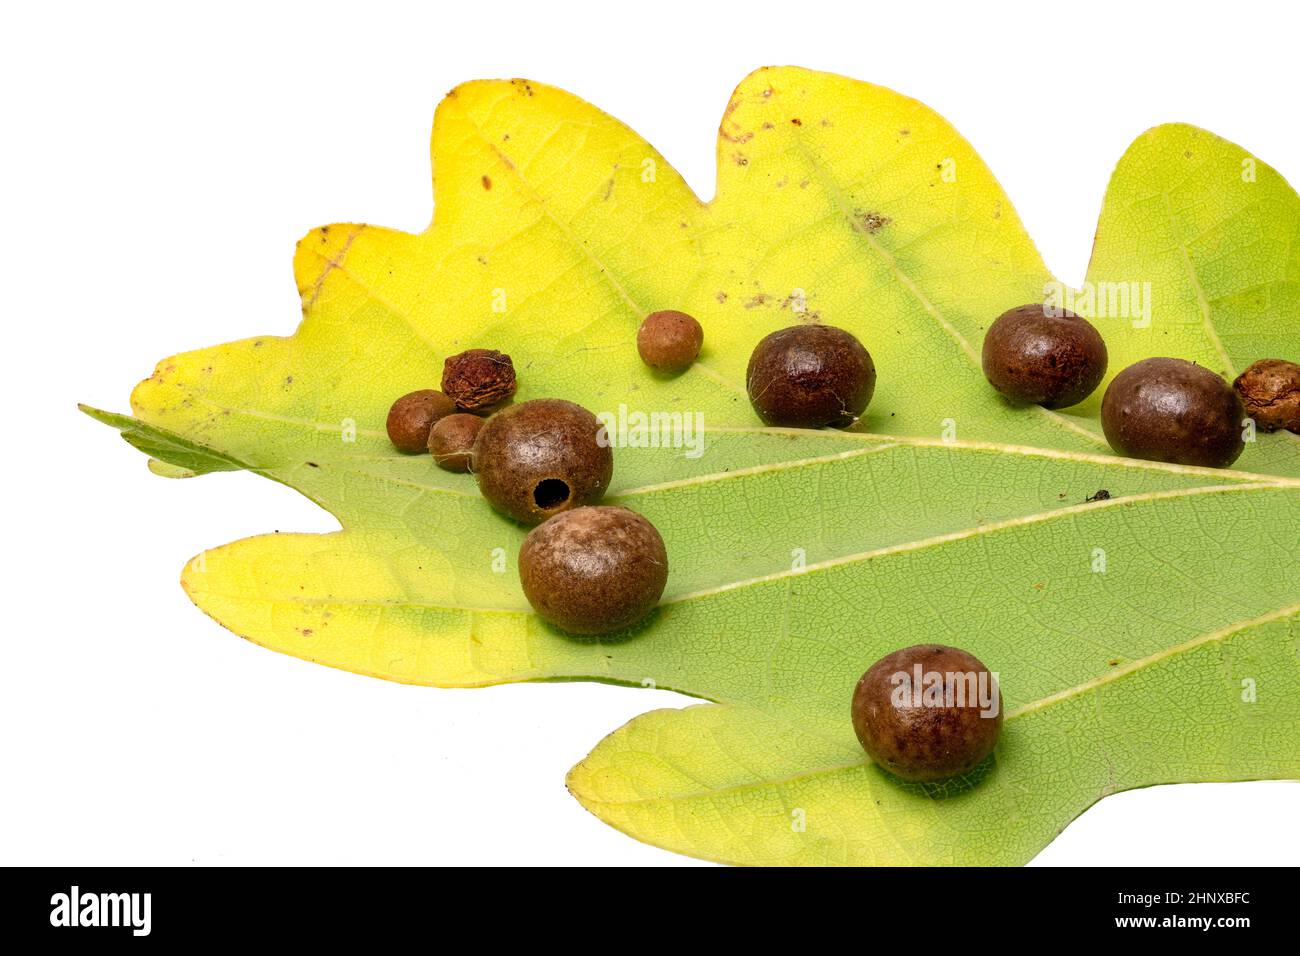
{"x":1168,"y":409}
{"x":809,"y":376}
{"x":1037,"y":357}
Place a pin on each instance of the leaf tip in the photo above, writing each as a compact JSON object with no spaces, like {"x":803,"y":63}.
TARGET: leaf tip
{"x":190,"y":576}
{"x":99,"y":415}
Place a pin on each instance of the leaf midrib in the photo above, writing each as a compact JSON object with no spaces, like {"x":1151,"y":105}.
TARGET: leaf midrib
{"x":875,"y":553}
{"x":872,"y":442}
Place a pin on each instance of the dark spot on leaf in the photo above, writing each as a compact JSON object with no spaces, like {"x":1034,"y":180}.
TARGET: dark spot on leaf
{"x":487,"y":181}
{"x":312,"y":464}
{"x":871,"y":222}
{"x":797,"y":121}
{"x":721,"y":297}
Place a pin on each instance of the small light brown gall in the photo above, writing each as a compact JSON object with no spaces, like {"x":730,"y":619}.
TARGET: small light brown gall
{"x":669,"y":341}
{"x":451,"y":442}
{"x":412,"y":417}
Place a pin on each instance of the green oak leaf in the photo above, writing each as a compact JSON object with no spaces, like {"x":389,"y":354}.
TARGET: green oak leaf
{"x":1151,"y":637}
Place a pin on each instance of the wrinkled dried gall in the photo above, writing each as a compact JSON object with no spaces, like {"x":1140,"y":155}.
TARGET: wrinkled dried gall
{"x":478,"y":380}
{"x":1270,"y":394}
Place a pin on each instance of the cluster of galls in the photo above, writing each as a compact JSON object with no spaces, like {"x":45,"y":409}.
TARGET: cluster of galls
{"x":446,"y":423}
{"x":1158,"y":409}
{"x":587,"y":569}
{"x":590,"y":569}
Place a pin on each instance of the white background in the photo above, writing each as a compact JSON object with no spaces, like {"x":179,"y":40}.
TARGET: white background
{"x":158,"y":166}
